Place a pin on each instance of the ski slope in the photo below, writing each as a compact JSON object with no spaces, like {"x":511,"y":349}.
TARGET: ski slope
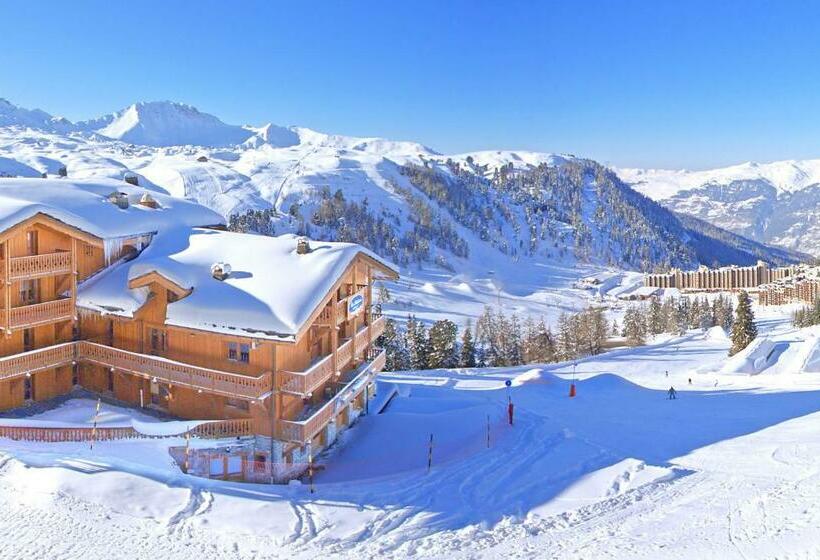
{"x":728,"y":470}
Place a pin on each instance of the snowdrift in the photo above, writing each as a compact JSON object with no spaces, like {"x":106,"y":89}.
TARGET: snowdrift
{"x":753,"y":359}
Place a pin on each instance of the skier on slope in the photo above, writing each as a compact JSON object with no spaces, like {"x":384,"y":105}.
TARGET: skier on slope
{"x":672,"y":394}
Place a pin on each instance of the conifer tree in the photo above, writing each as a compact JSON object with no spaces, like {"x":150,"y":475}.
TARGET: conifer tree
{"x":395,"y":344}
{"x":655,"y":323}
{"x":634,"y":327}
{"x":744,"y":330}
{"x":417,"y":344}
{"x":513,"y":354}
{"x":467,"y":357}
{"x":565,"y":348}
{"x":442,"y":344}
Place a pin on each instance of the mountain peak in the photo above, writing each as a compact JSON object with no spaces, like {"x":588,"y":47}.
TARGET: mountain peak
{"x":166,"y":123}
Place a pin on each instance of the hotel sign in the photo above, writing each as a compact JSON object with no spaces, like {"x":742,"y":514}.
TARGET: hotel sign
{"x":355,"y":304}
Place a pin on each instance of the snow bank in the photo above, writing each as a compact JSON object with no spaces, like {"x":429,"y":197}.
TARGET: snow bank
{"x":716,"y":333}
{"x":753,"y":359}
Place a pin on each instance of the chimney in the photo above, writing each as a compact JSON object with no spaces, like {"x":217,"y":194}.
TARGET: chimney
{"x":220,"y":270}
{"x":148,"y":201}
{"x":118,"y":198}
{"x":302,"y":246}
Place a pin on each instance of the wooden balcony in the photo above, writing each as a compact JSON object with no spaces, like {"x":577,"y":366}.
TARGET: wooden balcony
{"x":305,"y":382}
{"x":38,"y":266}
{"x":36,"y":360}
{"x":305,"y":430}
{"x":27,"y":316}
{"x":167,"y":371}
{"x":177,"y":373}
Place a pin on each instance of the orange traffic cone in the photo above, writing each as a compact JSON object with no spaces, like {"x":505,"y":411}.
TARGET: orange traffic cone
{"x":572,"y":390}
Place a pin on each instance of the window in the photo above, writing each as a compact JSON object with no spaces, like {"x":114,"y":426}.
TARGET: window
{"x":28,"y":388}
{"x":88,"y":250}
{"x":28,"y":340}
{"x":110,"y":380}
{"x":31,"y":241}
{"x":233,"y":352}
{"x":28,"y":292}
{"x":245,"y":353}
{"x":75,"y":374}
{"x":158,"y":341}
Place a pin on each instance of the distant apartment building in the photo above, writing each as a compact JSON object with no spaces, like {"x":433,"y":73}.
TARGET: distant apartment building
{"x":724,"y":278}
{"x":780,"y":293}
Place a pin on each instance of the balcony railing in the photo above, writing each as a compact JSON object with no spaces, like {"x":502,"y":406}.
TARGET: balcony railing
{"x":36,"y":266}
{"x":27,"y":316}
{"x":36,"y":360}
{"x":305,"y":430}
{"x":305,"y":382}
{"x":164,"y":370}
{"x":176,"y":373}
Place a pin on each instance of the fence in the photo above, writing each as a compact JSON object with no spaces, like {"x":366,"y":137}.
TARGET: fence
{"x":210,"y":430}
{"x":245,"y":465}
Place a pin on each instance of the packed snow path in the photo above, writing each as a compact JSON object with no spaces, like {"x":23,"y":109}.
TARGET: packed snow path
{"x":727,"y":470}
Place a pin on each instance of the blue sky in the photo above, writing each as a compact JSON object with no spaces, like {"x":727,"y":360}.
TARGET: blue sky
{"x":652,"y":84}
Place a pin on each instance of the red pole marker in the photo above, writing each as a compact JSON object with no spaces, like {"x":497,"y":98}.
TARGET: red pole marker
{"x":510,"y":409}
{"x":572,"y":389}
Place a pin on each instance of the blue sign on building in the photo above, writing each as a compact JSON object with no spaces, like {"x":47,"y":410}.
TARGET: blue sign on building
{"x":354,"y":304}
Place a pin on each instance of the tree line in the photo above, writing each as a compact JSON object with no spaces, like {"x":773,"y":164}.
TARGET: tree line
{"x":502,"y":340}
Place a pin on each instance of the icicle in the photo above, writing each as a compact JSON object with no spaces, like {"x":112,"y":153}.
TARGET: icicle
{"x":112,"y":248}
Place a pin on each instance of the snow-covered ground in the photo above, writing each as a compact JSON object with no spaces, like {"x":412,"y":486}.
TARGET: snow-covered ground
{"x":727,"y":470}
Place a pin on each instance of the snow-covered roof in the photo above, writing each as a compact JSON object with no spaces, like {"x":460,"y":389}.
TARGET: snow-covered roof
{"x":85,"y":206}
{"x":270,"y":293}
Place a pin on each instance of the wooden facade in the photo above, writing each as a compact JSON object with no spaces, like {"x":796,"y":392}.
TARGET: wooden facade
{"x":298,"y":392}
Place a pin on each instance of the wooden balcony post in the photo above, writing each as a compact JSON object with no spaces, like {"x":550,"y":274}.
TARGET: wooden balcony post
{"x":74,"y":279}
{"x":355,"y":317}
{"x":334,"y":330}
{"x":6,"y":272}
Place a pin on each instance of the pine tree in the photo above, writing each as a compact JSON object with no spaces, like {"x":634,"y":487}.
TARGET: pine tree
{"x":467,"y":357}
{"x":565,"y":349}
{"x":394,"y":342}
{"x":634,"y":327}
{"x":442,"y":343}
{"x":487,"y":336}
{"x":670,"y":314}
{"x":383,"y":295}
{"x":417,"y":344}
{"x":655,"y":323}
{"x":513,"y":353}
{"x":682,"y":316}
{"x":744,"y":330}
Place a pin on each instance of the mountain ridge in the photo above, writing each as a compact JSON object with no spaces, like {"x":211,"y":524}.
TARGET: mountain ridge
{"x":405,"y":198}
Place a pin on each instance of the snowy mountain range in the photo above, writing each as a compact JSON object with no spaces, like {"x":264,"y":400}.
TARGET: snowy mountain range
{"x":775,"y":203}
{"x":402,"y":199}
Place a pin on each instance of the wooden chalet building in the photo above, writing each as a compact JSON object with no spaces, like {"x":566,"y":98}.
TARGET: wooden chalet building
{"x":145,"y":298}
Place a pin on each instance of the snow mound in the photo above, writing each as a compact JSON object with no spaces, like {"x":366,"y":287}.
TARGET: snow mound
{"x":604,"y":484}
{"x":716,"y":333}
{"x":753,"y":359}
